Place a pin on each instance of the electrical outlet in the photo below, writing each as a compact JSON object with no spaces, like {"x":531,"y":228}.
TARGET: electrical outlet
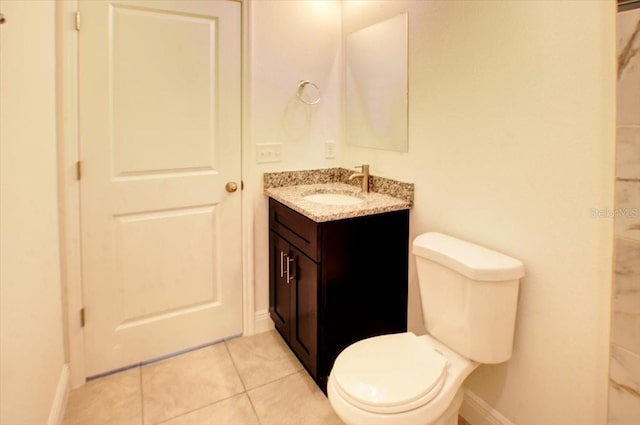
{"x":329,"y":149}
{"x":268,"y":152}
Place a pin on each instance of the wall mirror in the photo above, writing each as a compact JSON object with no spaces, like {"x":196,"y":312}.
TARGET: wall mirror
{"x":376,"y":85}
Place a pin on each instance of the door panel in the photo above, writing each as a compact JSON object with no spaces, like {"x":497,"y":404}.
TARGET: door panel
{"x":180,"y":272}
{"x":304,"y":326}
{"x":280,"y":297}
{"x":157,"y":149}
{"x":183,"y":94}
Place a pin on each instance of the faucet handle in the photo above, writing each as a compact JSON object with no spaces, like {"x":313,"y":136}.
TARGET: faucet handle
{"x":362,"y":167}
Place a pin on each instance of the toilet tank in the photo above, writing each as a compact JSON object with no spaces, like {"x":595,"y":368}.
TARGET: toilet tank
{"x":469,"y":296}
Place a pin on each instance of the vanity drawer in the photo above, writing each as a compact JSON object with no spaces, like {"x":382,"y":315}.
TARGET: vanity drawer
{"x":300,"y":231}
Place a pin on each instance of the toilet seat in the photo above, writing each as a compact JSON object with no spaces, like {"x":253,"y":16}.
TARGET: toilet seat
{"x":389,"y":373}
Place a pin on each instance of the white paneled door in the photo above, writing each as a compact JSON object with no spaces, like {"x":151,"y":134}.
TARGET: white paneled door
{"x":159,"y":96}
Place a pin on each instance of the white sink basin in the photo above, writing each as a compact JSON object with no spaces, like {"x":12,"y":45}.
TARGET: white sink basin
{"x":333,"y":199}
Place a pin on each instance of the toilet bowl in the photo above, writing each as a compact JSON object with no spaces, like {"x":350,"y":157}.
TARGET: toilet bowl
{"x":469,"y":298}
{"x":421,"y":378}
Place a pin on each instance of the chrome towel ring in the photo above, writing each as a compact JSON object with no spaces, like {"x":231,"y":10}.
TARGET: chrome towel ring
{"x":308,"y":92}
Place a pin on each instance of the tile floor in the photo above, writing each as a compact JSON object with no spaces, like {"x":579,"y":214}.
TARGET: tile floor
{"x":253,"y":380}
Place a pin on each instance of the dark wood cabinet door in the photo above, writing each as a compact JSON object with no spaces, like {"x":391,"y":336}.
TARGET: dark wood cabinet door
{"x":279,"y":288}
{"x":304,"y":309}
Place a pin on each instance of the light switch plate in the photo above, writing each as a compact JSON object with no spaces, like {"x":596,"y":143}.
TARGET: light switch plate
{"x":330,"y":149}
{"x":268,"y":152}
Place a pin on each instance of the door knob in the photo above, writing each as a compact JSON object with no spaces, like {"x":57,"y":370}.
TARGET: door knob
{"x":231,"y":186}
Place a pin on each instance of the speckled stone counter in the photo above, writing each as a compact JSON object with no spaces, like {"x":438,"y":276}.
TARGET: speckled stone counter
{"x":290,"y":188}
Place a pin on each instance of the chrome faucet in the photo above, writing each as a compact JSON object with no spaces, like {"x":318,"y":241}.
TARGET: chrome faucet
{"x":365,"y":176}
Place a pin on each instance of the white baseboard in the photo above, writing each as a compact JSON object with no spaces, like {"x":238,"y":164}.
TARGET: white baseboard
{"x":56,"y":415}
{"x":476,"y":411}
{"x":263,"y":322}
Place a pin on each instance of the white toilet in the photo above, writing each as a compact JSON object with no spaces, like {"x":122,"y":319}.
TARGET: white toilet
{"x":469,"y":299}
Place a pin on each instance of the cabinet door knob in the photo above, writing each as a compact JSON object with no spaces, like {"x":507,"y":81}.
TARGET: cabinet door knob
{"x":231,"y":186}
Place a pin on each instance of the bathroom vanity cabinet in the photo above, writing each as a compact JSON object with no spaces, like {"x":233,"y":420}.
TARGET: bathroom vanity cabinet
{"x":336,"y":282}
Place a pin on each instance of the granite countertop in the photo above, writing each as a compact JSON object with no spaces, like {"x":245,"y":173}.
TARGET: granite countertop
{"x":292,"y":192}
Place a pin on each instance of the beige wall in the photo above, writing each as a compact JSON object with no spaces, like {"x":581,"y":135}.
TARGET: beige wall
{"x":511,"y":138}
{"x":31,"y":352}
{"x":289,"y":41}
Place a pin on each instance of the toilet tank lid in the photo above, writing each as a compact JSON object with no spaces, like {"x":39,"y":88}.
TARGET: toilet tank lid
{"x":473,"y":261}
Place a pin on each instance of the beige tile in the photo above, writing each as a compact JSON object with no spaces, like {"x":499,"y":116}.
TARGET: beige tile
{"x":625,"y":370}
{"x":625,"y":331}
{"x":262,"y":358}
{"x":627,"y":213}
{"x":462,"y":421}
{"x":628,"y":152}
{"x":629,"y":71}
{"x":625,"y":322}
{"x":188,"y":382}
{"x":292,"y":400}
{"x":113,"y":400}
{"x":624,"y":408}
{"x":626,"y":287}
{"x":624,"y":387}
{"x":236,"y":410}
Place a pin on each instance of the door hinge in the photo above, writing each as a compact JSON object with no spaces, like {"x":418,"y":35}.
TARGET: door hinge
{"x":83,"y":317}
{"x":79,"y":170}
{"x":77,"y":20}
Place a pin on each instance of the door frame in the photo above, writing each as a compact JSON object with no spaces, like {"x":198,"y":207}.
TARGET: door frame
{"x":69,"y":188}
